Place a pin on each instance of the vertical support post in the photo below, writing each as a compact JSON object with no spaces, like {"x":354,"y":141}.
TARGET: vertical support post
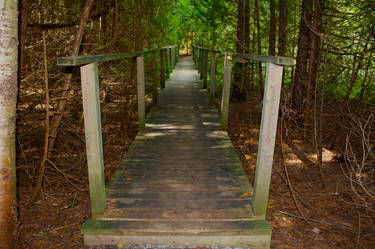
{"x":166,"y":64}
{"x":205,"y":69}
{"x":199,"y":54}
{"x":270,"y":113}
{"x":93,"y":134}
{"x":173,"y":56}
{"x":141,"y":92}
{"x":154,"y":79}
{"x":162,"y":69}
{"x":201,"y":62}
{"x":213,"y":77}
{"x":170,"y":59}
{"x":226,"y":90}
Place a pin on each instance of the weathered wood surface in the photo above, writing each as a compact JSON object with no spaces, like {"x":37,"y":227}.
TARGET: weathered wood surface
{"x":93,"y":134}
{"x":181,"y":180}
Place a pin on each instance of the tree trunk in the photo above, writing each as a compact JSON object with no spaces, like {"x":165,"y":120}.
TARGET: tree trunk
{"x":304,"y":41}
{"x":241,"y":81}
{"x":272,"y":34}
{"x":114,"y":25}
{"x":22,"y":33}
{"x":8,"y":101}
{"x":259,"y":49}
{"x":364,"y":82}
{"x":313,"y":65}
{"x":283,"y":21}
{"x":56,"y":120}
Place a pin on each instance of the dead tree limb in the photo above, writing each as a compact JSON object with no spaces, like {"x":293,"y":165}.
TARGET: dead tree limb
{"x":56,"y":120}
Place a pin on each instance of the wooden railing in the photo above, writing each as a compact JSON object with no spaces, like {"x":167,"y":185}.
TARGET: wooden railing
{"x":91,"y":107}
{"x":271,"y":99}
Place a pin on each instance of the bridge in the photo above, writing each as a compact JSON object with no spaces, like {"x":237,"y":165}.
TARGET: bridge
{"x":181,"y":182}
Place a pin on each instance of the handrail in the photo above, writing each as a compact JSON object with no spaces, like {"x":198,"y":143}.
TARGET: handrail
{"x":278,"y":60}
{"x":271,"y":99}
{"x":89,"y":66}
{"x":87,"y":59}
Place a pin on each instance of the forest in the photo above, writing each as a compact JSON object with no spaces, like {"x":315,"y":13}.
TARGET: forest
{"x":322,"y":192}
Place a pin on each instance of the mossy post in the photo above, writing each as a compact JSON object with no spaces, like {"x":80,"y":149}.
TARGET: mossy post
{"x":205,"y":69}
{"x":201,"y":59}
{"x":213,"y":77}
{"x":226,"y":90}
{"x":162,"y":69}
{"x":141,"y":92}
{"x":154,"y":79}
{"x":267,"y":137}
{"x":93,"y":134}
{"x":173,"y":57}
{"x":167,"y":67}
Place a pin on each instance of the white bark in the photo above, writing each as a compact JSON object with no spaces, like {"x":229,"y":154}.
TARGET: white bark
{"x":8,"y":100}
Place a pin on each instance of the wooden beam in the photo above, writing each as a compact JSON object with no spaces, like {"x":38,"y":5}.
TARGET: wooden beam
{"x":267,"y":137}
{"x":226,"y":90}
{"x":141,"y":92}
{"x":213,"y":77}
{"x":93,"y":133}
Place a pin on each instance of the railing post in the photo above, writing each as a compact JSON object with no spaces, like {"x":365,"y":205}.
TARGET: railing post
{"x":205,"y":69}
{"x":173,"y":56}
{"x":213,"y":77}
{"x":141,"y":92}
{"x":171,"y":59}
{"x":154,"y":79}
{"x":93,"y":134}
{"x":201,"y":62}
{"x":162,"y":69}
{"x":226,"y":90}
{"x":267,"y":136}
{"x":193,"y":54}
{"x":166,"y":64}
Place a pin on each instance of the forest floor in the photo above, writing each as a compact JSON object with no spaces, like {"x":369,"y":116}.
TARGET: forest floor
{"x":312,"y":217}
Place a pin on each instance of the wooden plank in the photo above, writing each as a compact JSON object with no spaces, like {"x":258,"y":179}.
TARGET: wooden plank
{"x":198,"y":204}
{"x":278,"y":60}
{"x":182,"y":214}
{"x":267,"y":137}
{"x":213,"y":77}
{"x":226,"y":90}
{"x":93,"y":134}
{"x":141,"y":92}
{"x":154,"y":79}
{"x":176,"y":227}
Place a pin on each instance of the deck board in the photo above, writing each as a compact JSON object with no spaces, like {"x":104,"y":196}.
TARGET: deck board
{"x":181,"y":177}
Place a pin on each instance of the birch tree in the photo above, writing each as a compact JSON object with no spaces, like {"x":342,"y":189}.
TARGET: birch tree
{"x":8,"y":100}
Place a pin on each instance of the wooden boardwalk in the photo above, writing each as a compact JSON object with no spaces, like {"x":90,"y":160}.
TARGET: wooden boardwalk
{"x":182,"y":182}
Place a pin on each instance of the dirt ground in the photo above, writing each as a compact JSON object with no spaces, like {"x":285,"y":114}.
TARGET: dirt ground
{"x":303,"y":211}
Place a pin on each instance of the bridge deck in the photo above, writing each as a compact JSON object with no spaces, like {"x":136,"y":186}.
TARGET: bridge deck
{"x":182,"y":182}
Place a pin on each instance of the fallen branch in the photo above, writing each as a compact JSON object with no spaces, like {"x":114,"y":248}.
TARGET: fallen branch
{"x":338,"y":226}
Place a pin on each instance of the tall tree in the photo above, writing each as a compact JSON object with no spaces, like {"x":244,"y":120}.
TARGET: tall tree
{"x":241,"y":81}
{"x":259,"y":46}
{"x":304,"y":42}
{"x":283,"y":21}
{"x":272,"y":34}
{"x":314,"y":59}
{"x":8,"y":101}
